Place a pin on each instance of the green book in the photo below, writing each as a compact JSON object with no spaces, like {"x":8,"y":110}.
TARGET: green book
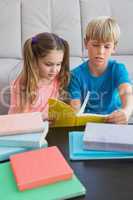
{"x":61,"y":190}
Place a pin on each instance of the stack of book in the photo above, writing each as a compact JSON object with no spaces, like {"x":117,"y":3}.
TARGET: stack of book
{"x":21,"y":132}
{"x":101,"y":141}
{"x":36,"y":174}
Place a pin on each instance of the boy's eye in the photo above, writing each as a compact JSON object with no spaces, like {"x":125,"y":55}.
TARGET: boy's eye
{"x":106,"y":46}
{"x":96,"y":45}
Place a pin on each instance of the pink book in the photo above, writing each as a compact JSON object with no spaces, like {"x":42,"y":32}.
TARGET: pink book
{"x":21,"y":123}
{"x":40,"y":167}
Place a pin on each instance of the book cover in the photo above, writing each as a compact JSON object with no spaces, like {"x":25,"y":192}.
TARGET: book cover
{"x":76,"y":151}
{"x":28,"y":140}
{"x":21,"y":123}
{"x":6,"y":152}
{"x":61,"y":190}
{"x":64,"y":115}
{"x":40,"y":167}
{"x":108,"y":137}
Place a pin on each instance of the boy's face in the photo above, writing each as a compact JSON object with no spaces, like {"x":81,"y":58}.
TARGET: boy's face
{"x":99,"y":53}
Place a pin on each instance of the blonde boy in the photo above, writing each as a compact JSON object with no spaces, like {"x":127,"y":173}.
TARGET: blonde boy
{"x":106,"y":79}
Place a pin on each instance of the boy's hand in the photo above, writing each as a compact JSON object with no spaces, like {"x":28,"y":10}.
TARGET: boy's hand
{"x":118,"y":117}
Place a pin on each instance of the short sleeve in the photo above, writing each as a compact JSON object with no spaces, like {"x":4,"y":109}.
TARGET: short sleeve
{"x":74,"y":87}
{"x":121,"y":75}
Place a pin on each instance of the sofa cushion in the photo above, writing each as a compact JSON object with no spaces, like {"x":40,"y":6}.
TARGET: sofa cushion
{"x":127,"y":60}
{"x":61,"y":17}
{"x":10,"y":68}
{"x":10,"y":30}
{"x":74,"y":62}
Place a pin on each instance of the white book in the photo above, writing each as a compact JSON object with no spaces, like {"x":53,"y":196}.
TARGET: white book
{"x":34,"y":140}
{"x":21,"y":123}
{"x":110,"y":137}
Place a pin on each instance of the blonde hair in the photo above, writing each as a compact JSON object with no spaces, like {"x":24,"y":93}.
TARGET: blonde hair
{"x":103,"y":29}
{"x":34,"y":48}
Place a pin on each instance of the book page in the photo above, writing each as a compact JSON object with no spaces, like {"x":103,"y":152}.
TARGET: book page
{"x":84,"y":104}
{"x":93,"y":115}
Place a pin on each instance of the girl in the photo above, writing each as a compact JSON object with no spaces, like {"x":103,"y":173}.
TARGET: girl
{"x":45,"y":74}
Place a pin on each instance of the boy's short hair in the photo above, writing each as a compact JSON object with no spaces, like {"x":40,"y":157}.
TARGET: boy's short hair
{"x":103,"y":29}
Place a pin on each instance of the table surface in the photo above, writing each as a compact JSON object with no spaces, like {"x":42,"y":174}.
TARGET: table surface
{"x":103,"y":179}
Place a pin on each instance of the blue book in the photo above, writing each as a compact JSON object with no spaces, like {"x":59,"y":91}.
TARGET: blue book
{"x":29,"y":140}
{"x":6,"y":152}
{"x":76,"y":151}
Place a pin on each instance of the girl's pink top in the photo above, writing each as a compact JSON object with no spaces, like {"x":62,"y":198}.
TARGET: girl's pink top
{"x":41,"y":102}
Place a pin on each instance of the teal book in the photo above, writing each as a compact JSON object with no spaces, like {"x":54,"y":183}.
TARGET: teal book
{"x":61,"y":190}
{"x":77,"y":151}
{"x":29,"y":140}
{"x":6,"y":152}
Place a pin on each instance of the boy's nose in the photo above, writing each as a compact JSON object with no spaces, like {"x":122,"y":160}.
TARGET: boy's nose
{"x":101,"y":50}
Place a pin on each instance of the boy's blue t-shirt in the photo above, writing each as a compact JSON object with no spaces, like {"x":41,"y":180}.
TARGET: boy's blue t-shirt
{"x":104,"y":97}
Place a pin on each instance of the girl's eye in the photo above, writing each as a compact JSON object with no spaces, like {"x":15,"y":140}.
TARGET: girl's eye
{"x":48,"y":64}
{"x":59,"y":64}
{"x":51,"y":64}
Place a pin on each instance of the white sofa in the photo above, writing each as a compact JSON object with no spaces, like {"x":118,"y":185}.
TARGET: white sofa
{"x":20,"y":19}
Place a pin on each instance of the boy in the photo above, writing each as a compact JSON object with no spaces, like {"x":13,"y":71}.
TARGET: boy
{"x":105,"y":79}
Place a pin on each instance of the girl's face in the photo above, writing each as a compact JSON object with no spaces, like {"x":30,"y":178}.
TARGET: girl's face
{"x":99,"y":53}
{"x":50,"y":65}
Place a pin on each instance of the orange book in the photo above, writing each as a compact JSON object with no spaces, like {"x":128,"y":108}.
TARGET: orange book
{"x":21,"y":123}
{"x":39,"y":167}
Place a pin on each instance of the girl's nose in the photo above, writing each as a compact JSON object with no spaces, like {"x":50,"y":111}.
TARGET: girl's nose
{"x":54,"y":68}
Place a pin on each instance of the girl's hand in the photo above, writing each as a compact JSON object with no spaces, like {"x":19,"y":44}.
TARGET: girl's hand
{"x":51,"y":122}
{"x":118,"y":117}
{"x":45,"y":118}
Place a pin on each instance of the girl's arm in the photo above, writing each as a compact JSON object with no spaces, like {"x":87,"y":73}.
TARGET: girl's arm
{"x":122,"y":116}
{"x":14,"y":98}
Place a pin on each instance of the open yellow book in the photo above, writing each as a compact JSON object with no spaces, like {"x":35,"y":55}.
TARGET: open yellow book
{"x":64,"y":115}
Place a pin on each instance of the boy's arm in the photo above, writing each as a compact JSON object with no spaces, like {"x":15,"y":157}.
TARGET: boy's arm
{"x":122,"y":116}
{"x":76,"y":104}
{"x":74,"y":92}
{"x":126,"y":95}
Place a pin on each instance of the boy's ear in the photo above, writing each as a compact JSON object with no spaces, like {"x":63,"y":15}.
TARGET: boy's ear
{"x":85,"y":43}
{"x":114,"y":49}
